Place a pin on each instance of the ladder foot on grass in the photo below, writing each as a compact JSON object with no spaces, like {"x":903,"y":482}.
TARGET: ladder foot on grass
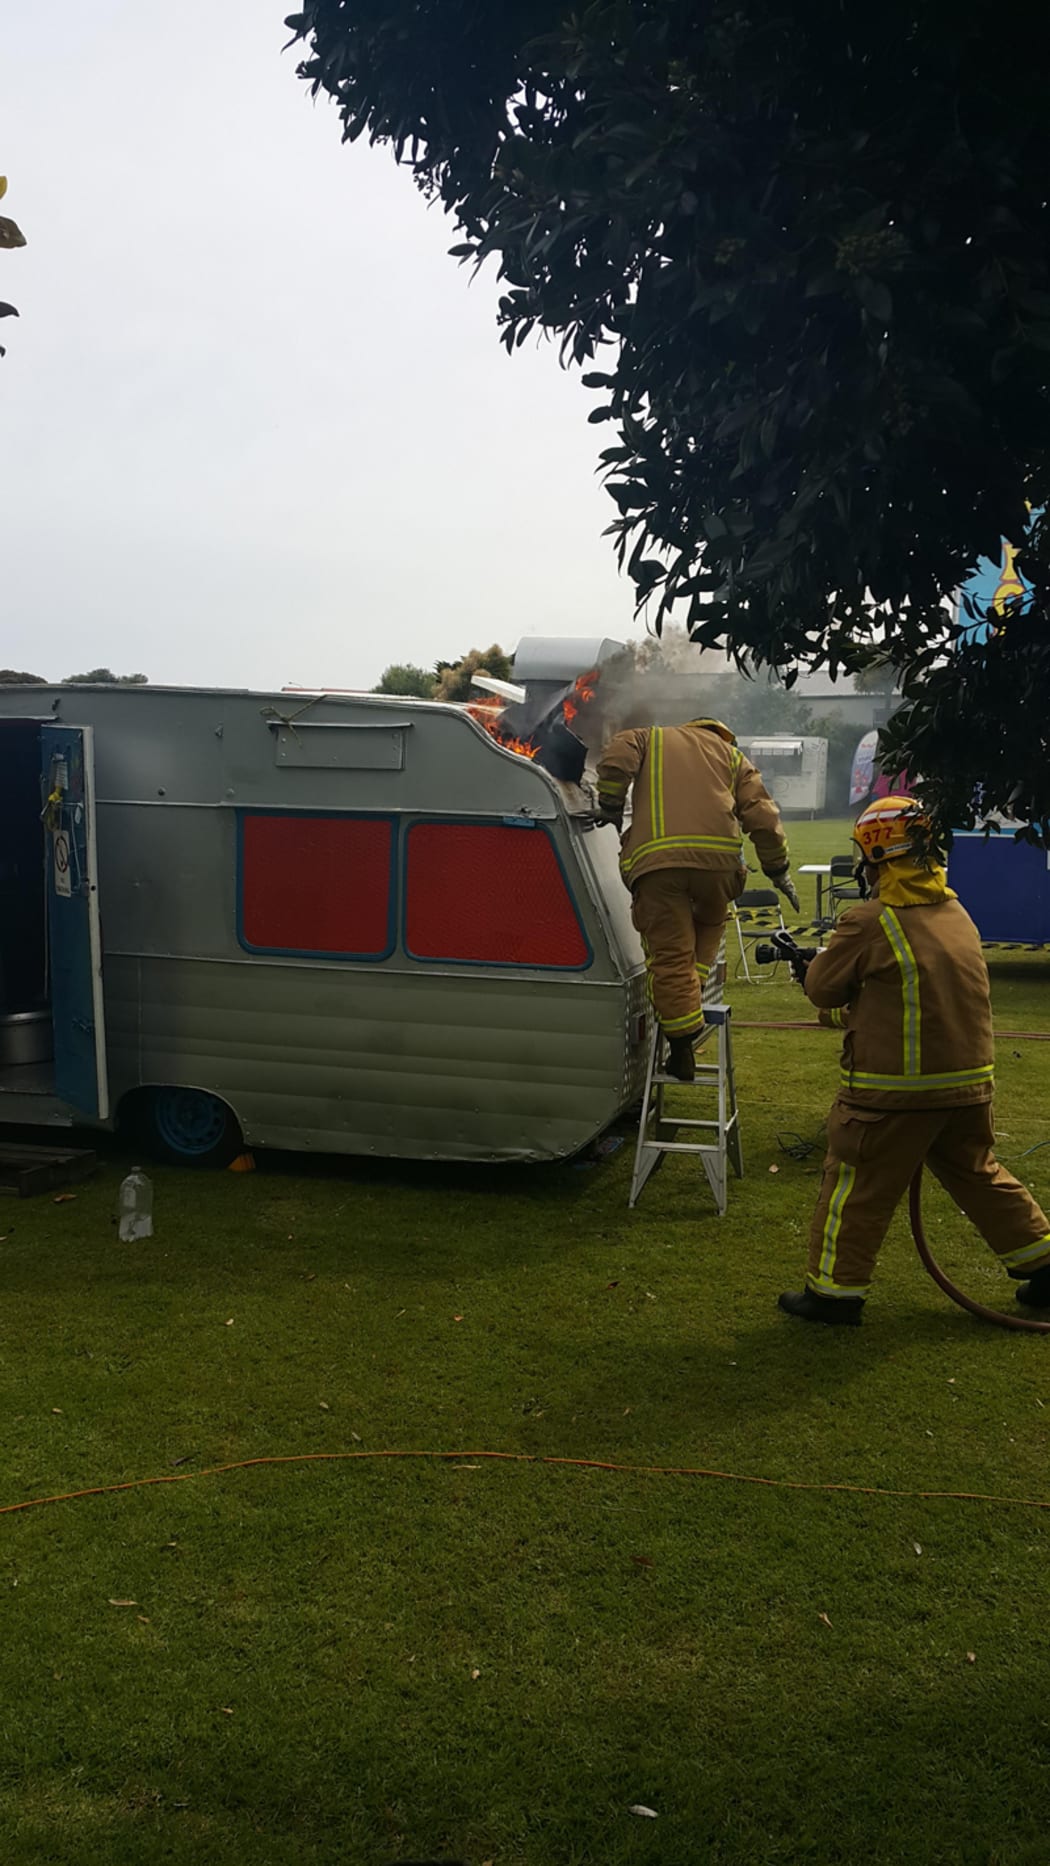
{"x":658,"y":1129}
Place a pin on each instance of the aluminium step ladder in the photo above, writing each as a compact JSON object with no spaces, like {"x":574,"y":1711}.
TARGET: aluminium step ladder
{"x":658,"y":1128}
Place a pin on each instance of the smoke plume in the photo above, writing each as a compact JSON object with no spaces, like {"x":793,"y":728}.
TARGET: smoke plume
{"x":661,"y":683}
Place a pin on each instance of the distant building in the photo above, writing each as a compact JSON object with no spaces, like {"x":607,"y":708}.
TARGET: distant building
{"x":840,"y":700}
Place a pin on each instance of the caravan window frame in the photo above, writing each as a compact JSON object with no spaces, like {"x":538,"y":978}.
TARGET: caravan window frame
{"x":521,"y":826}
{"x":389,"y":817}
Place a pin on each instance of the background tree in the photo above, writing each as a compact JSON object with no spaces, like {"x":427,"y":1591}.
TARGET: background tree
{"x":404,"y":678}
{"x":454,"y":677}
{"x":810,"y":243}
{"x":105,"y":677}
{"x":11,"y":236}
{"x":9,"y":678}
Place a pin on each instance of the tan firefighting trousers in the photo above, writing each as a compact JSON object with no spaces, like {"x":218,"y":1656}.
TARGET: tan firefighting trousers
{"x":680,"y":914}
{"x":871,"y":1157}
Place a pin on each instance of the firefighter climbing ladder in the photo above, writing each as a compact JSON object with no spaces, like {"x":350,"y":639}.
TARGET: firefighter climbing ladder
{"x":658,"y":1129}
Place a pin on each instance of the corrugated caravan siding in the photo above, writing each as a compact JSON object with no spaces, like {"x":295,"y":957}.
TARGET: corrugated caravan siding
{"x":398,"y":1063}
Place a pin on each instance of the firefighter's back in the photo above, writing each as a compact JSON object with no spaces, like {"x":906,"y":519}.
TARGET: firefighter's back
{"x":684,"y":806}
{"x":920,"y":1033}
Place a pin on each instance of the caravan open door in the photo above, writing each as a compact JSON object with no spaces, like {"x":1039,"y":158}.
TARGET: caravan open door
{"x":74,"y":936}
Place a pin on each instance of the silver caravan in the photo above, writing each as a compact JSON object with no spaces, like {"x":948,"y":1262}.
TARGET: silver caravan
{"x":346,"y":924}
{"x":795,"y":771}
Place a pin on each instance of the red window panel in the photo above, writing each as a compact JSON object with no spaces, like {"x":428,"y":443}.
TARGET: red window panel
{"x":317,"y":884}
{"x":489,"y":894}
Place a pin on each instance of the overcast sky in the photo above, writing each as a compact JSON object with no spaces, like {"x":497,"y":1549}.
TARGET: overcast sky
{"x":257,"y":427}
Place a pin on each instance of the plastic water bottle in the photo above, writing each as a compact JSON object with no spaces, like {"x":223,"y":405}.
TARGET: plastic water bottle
{"x":135,"y":1207}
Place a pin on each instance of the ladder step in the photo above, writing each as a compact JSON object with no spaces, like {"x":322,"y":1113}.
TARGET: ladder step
{"x":673,"y":1120}
{"x":705,"y":1078}
{"x":682,"y":1146}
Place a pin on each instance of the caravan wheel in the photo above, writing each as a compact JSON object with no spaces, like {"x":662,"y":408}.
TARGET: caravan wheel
{"x":188,"y":1127}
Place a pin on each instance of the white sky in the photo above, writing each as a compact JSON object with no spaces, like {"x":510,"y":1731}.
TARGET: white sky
{"x":255,"y":425}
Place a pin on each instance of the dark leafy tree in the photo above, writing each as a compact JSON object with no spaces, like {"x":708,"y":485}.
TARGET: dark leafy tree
{"x":9,"y":678}
{"x":11,"y":236}
{"x":105,"y":677}
{"x":404,"y":678}
{"x":807,"y":243}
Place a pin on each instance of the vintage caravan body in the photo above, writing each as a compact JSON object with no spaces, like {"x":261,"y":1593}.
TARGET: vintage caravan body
{"x":348,"y":924}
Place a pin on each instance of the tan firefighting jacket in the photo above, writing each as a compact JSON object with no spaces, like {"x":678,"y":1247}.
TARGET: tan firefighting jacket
{"x":694,"y":793}
{"x":910,"y":987}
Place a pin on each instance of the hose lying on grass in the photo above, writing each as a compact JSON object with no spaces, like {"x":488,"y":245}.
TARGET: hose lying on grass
{"x":469,"y":1458}
{"x":1027,"y":1323}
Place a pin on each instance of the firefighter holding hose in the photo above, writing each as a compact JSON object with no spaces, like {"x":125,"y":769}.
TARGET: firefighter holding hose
{"x":905,"y":976}
{"x":694,"y":795}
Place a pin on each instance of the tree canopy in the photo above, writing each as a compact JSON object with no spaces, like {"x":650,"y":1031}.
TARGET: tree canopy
{"x":453,"y":678}
{"x":105,"y":677}
{"x":98,"y":677}
{"x":11,"y":236}
{"x":403,"y":678}
{"x":807,"y":245}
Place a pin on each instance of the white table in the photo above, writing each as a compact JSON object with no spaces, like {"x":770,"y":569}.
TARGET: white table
{"x":822,"y":870}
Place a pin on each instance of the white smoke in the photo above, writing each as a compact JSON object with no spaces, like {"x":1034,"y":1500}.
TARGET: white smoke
{"x":661,"y":682}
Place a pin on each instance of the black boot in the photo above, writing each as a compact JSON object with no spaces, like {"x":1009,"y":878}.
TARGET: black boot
{"x":1035,"y":1294}
{"x":839,"y":1311}
{"x":680,"y":1059}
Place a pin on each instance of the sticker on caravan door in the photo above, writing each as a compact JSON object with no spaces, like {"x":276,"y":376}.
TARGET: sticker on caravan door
{"x":63,"y":884}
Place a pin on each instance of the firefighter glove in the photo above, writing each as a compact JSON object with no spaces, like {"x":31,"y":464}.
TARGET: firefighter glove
{"x":610,"y":813}
{"x":786,"y":886}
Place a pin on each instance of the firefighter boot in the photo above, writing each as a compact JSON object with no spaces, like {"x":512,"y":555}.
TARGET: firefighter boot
{"x":680,"y":1059}
{"x":1035,"y":1294}
{"x":839,"y":1311}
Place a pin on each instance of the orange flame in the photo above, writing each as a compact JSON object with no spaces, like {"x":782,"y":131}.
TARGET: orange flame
{"x":582,"y":694}
{"x":489,"y":713}
{"x":525,"y":748}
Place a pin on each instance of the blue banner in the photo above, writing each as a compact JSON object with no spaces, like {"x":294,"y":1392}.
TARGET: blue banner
{"x":992,"y":587}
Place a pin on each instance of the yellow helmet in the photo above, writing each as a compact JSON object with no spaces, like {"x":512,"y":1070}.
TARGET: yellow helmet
{"x":891,"y":827}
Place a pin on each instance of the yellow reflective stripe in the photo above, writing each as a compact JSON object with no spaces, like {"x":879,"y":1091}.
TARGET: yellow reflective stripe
{"x":736,"y":759}
{"x":656,"y":780}
{"x":837,"y":1289}
{"x":912,"y":1004}
{"x":653,"y":743}
{"x":838,"y":1020}
{"x":1028,"y":1253}
{"x":703,"y":970}
{"x":833,"y":1225}
{"x":691,"y":1020}
{"x":607,"y":786}
{"x":918,"y":1083}
{"x":729,"y":844}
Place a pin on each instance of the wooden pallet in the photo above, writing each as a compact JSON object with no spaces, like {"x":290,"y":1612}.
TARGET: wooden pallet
{"x":27,"y":1171}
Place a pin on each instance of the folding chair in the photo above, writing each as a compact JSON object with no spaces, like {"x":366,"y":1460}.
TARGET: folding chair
{"x":753,"y":906}
{"x":841,"y":885}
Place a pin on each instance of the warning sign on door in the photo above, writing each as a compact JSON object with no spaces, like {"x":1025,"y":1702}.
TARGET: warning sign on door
{"x":63,"y":884}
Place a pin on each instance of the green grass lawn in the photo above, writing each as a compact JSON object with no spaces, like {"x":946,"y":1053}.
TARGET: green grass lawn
{"x":372,"y":1662}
